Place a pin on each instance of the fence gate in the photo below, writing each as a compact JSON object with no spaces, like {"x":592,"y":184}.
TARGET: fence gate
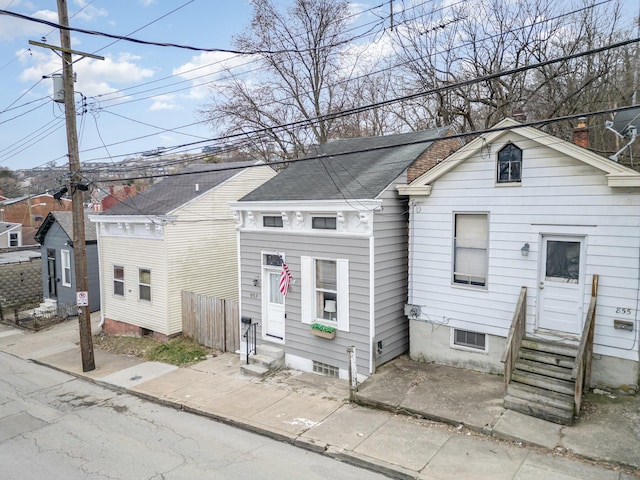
{"x":211,"y":321}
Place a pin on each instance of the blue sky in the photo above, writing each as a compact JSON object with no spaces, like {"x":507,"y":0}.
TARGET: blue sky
{"x":140,"y":97}
{"x":37,"y":137}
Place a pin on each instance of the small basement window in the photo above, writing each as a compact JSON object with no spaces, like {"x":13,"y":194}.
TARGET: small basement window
{"x":327,"y":370}
{"x":467,"y":339}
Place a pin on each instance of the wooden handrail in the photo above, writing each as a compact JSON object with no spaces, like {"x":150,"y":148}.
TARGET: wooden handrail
{"x":581,"y":372}
{"x":516,"y":334}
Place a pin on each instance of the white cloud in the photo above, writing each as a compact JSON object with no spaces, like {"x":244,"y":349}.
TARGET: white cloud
{"x":146,"y":3}
{"x":95,"y":77}
{"x":12,"y":27}
{"x":87,"y":12}
{"x":211,"y":66}
{"x":164,"y":102}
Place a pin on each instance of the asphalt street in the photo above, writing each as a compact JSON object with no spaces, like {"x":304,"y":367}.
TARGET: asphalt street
{"x":55,"y":426}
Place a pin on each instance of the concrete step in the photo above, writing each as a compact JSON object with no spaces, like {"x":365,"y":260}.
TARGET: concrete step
{"x":254,"y":370}
{"x":546,"y":369}
{"x":266,"y":361}
{"x":541,"y":396}
{"x":538,"y":410}
{"x":276,"y":353}
{"x":542,"y":381}
{"x":549,"y":346}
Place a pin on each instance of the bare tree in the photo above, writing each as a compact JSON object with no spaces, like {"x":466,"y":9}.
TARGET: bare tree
{"x":458,"y":51}
{"x":301,"y":52}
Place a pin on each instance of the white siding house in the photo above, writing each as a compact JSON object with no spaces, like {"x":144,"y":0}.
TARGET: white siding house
{"x":517,"y":207}
{"x":179,"y":235}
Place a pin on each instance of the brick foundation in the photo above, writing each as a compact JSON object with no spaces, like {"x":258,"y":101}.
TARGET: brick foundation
{"x":114,"y":327}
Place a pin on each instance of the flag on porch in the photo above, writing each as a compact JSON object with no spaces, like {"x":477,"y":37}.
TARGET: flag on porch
{"x":285,"y":279}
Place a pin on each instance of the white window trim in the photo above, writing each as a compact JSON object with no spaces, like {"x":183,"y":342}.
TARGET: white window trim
{"x":452,"y":339}
{"x":145,"y":285}
{"x":308,"y":292}
{"x":18,"y":238}
{"x":118,"y":280}
{"x":65,"y":261}
{"x":454,"y":251}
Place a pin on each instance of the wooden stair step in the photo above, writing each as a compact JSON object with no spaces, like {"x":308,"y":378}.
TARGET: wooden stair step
{"x":546,"y":369}
{"x":548,"y":358}
{"x":550,"y":346}
{"x":541,"y":396}
{"x":538,"y":410}
{"x":541,"y":381}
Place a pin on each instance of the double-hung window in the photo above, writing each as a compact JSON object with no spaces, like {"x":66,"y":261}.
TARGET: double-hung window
{"x":118,"y":280}
{"x":144,"y":284}
{"x":471,"y":240}
{"x":66,"y":267}
{"x":325,"y":291}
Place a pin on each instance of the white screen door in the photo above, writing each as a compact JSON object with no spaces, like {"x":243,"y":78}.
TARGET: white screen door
{"x":561,"y":284}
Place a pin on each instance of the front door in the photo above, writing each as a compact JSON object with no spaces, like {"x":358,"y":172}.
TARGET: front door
{"x":51,"y":274}
{"x":561,"y":284}
{"x":274,"y":305}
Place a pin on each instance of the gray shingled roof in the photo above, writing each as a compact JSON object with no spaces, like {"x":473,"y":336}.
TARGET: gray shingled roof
{"x":176,"y":190}
{"x":361,"y":169}
{"x":5,"y":227}
{"x":65,"y":220}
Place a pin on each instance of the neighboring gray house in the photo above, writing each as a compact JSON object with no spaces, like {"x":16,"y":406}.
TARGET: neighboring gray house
{"x":55,"y":236}
{"x":339,"y":224}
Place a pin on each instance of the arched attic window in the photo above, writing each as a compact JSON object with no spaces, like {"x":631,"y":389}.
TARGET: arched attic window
{"x":510,"y":164}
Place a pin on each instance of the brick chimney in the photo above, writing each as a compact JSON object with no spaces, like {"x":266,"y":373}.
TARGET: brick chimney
{"x":581,"y":133}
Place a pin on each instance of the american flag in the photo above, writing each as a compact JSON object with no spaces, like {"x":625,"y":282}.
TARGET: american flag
{"x":285,"y":279}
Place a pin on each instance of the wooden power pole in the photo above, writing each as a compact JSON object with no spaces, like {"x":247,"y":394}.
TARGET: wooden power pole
{"x":79,"y":241}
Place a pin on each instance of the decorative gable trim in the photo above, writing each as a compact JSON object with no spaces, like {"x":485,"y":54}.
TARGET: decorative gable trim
{"x":617,"y":175}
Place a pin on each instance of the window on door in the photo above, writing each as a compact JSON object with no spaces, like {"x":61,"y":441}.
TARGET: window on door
{"x":563,"y":261}
{"x":66,"y":267}
{"x":471,"y":239}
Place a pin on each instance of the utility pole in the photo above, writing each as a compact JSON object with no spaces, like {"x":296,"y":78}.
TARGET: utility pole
{"x":79,"y":241}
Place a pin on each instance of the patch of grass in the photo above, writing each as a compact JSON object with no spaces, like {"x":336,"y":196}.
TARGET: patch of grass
{"x":180,"y":351}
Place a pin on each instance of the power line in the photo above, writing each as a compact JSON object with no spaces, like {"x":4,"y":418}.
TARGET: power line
{"x":535,"y":124}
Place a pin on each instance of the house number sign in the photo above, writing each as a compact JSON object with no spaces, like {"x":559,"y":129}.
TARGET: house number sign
{"x":623,"y":311}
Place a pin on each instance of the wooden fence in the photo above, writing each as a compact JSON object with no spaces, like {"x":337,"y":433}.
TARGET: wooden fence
{"x":212,"y":322}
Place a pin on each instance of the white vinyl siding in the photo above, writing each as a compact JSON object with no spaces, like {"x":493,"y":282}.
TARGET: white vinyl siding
{"x":65,"y":260}
{"x":312,"y":308}
{"x":132,"y":254}
{"x":558,"y":195}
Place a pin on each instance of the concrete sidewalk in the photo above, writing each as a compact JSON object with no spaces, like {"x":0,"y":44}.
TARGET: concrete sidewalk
{"x":431,"y":422}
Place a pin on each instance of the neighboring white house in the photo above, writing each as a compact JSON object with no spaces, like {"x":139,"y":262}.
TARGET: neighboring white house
{"x":10,"y":234}
{"x":179,"y":235}
{"x":518,"y":207}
